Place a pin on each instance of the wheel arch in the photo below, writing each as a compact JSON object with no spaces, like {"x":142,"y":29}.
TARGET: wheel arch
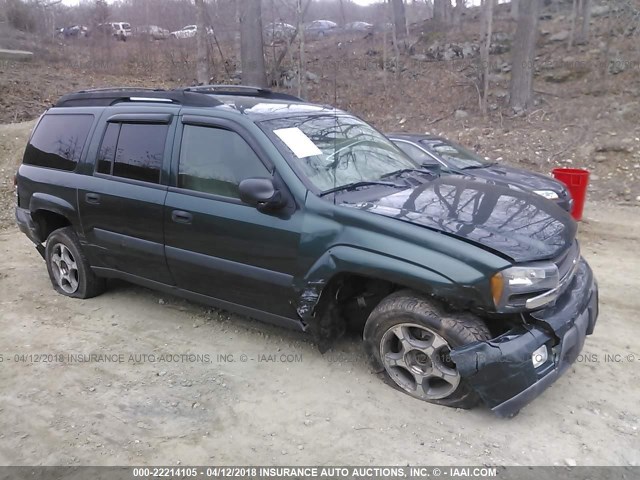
{"x":49,"y":221}
{"x":364,"y":274}
{"x":50,"y":213}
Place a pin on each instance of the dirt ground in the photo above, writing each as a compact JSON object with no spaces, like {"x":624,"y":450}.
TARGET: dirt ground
{"x":146,"y":401}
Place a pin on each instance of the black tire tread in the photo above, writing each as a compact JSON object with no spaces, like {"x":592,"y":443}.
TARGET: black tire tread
{"x":465,"y":326}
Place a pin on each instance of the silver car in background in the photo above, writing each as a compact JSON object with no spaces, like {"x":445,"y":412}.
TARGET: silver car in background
{"x":320,"y":28}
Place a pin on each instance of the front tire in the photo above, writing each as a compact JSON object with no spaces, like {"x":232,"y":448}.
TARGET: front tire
{"x":69,"y":270}
{"x":408,"y":337}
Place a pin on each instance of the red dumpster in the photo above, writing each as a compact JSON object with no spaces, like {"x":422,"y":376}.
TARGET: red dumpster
{"x":577,"y":181}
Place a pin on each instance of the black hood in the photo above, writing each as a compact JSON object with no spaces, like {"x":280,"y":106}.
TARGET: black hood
{"x":519,"y":225}
{"x":518,"y":177}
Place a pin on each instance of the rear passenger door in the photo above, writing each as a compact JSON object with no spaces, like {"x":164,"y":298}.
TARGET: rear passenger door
{"x":216,"y":245}
{"x":122,"y":204}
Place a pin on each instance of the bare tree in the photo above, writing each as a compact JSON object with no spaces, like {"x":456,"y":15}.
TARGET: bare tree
{"x":574,"y":19}
{"x":514,"y":9}
{"x":523,"y":55}
{"x":586,"y":21}
{"x":442,"y":11}
{"x":302,"y":61}
{"x":484,"y":57}
{"x":399,"y":18}
{"x":458,"y":11}
{"x":251,"y":47}
{"x":202,"y":52}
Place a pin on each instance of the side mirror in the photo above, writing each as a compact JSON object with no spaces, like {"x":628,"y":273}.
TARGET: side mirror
{"x":261,"y":193}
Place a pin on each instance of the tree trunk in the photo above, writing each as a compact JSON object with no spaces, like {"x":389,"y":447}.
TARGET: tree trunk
{"x":586,"y":21}
{"x":251,"y":48}
{"x":574,"y":19}
{"x":488,"y":25}
{"x":440,"y":11}
{"x":301,"y":65}
{"x":399,"y":18}
{"x":396,"y":49}
{"x":458,"y":10}
{"x":514,"y":9}
{"x":448,"y":12}
{"x":202,"y":53}
{"x":523,"y":55}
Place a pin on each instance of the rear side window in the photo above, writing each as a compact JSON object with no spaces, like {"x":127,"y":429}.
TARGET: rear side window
{"x":58,"y":141}
{"x":132,"y":150}
{"x":416,"y":154}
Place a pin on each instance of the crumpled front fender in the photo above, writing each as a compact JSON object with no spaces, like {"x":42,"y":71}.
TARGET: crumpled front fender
{"x":346,"y":259}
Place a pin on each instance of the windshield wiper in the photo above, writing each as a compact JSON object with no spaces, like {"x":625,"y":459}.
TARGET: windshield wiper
{"x":410,"y":170}
{"x":475,"y":167}
{"x":353,"y":186}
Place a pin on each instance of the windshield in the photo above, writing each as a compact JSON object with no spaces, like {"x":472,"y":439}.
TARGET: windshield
{"x":455,"y":155}
{"x":332,"y":151}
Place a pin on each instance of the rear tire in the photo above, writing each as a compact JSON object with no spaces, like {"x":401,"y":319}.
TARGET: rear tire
{"x":69,"y":270}
{"x":408,"y":338}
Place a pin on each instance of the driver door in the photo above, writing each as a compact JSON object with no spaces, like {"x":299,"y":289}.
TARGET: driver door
{"x":215,"y":244}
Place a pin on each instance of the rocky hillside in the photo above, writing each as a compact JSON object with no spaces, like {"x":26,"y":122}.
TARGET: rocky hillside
{"x":586,"y":113}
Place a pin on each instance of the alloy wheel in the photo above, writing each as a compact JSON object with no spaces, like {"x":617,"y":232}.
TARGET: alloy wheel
{"x":65,"y":268}
{"x":417,"y":359}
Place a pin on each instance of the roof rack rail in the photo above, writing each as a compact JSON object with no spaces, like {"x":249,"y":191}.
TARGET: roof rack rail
{"x":243,"y":90}
{"x":120,"y":89}
{"x":107,"y":97}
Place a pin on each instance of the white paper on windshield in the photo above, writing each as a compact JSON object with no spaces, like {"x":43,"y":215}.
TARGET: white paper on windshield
{"x":298,"y":142}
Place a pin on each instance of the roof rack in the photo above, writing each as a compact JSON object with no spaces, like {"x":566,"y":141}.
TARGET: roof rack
{"x":200,"y":96}
{"x":243,"y":90}
{"x":120,"y":89}
{"x":112,"y":96}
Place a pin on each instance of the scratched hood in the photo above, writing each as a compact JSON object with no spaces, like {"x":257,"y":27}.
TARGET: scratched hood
{"x":520,"y":225}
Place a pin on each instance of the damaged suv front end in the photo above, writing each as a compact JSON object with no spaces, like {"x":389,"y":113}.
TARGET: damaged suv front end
{"x":512,"y":369}
{"x":467,"y":289}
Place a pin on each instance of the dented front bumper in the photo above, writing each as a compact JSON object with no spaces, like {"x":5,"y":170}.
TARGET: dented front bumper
{"x":501,"y":370}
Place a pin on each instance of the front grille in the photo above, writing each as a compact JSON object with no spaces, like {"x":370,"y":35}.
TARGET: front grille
{"x":567,"y":261}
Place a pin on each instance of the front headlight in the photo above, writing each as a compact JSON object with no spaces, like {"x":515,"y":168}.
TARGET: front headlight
{"x":548,"y":194}
{"x":511,"y":288}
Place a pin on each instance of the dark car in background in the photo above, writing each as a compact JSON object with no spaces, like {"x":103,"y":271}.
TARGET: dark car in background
{"x":432,"y":150}
{"x":74,"y":31}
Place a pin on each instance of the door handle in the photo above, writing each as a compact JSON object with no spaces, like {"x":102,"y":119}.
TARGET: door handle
{"x":93,"y":198}
{"x":180,"y":216}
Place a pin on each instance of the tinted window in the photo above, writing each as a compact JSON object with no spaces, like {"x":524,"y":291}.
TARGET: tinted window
{"x":140,"y":152}
{"x":213,"y":160}
{"x":416,"y":154}
{"x":58,"y":141}
{"x":108,"y":149}
{"x":456,"y":155}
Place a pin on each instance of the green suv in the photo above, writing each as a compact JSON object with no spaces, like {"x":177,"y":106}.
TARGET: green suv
{"x":307,"y":217}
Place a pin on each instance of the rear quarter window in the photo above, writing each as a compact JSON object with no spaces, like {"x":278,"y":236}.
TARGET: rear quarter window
{"x":58,"y":141}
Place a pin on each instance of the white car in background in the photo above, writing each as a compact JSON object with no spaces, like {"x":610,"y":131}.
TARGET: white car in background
{"x":121,"y":30}
{"x":189,"y":32}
